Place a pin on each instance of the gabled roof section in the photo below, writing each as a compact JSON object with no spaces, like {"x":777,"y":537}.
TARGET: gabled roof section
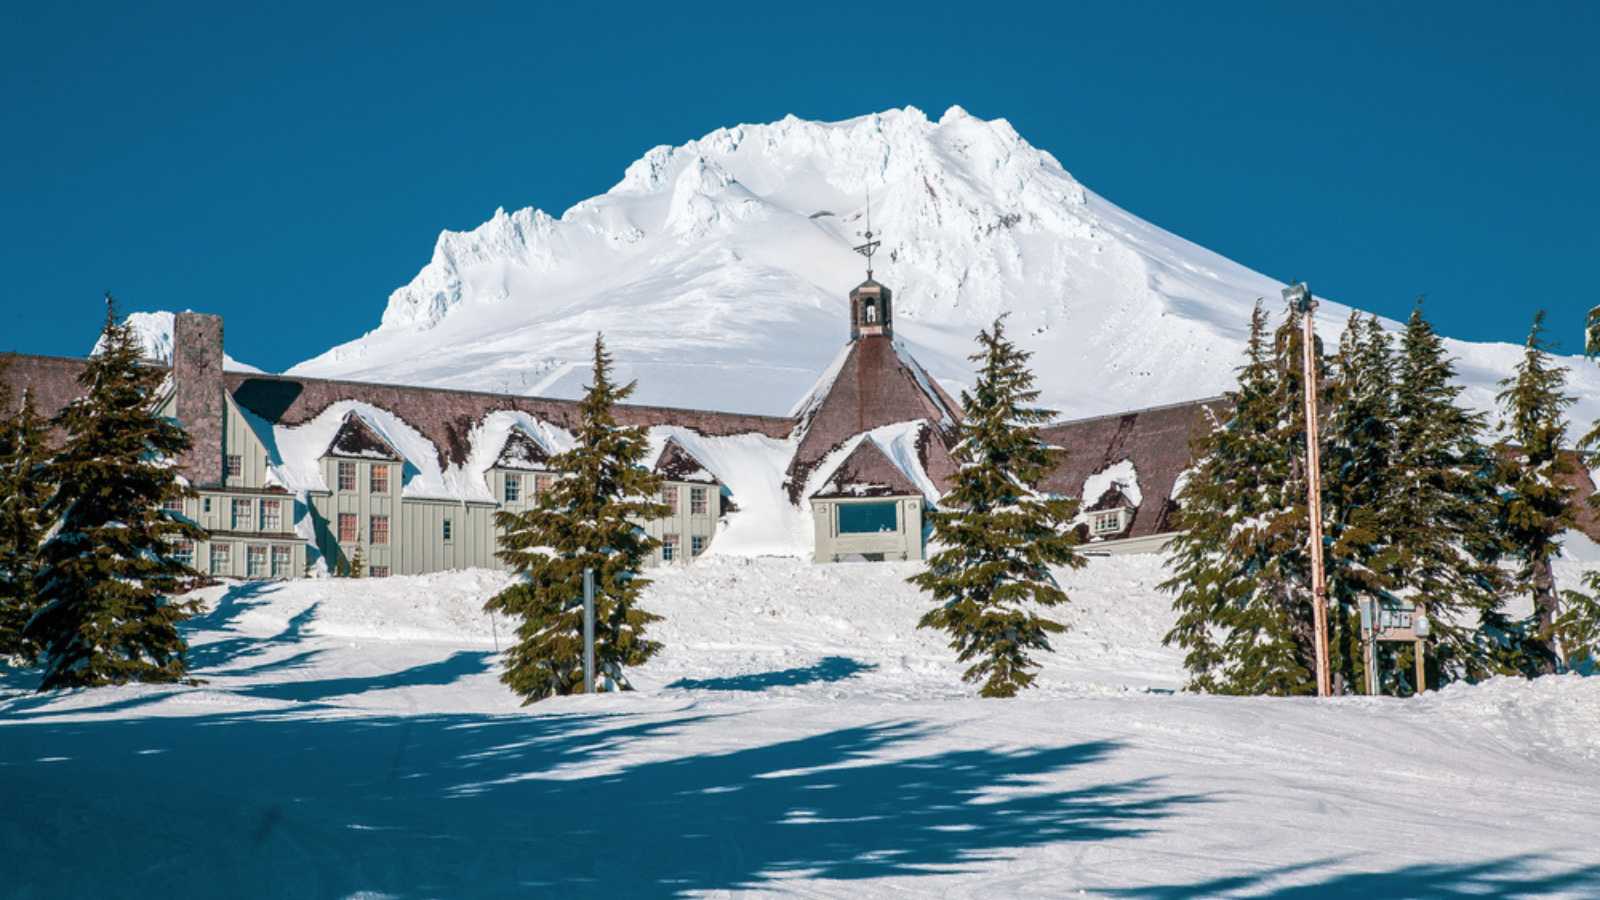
{"x":355,"y":439}
{"x":876,"y":383}
{"x":866,"y":472}
{"x":1113,"y":498}
{"x":676,"y":463}
{"x":522,"y":451}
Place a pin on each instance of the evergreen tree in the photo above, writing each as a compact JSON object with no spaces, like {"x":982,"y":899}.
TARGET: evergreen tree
{"x":1577,"y":629}
{"x":588,"y":519}
{"x":999,"y":534}
{"x":1241,"y":569}
{"x":1358,"y":491}
{"x":105,"y":614}
{"x":23,"y":491}
{"x":1442,"y":524}
{"x":1536,"y":502}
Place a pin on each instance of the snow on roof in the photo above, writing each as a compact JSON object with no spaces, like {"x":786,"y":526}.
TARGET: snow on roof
{"x":900,"y":444}
{"x":1121,"y":475}
{"x":924,"y":382}
{"x":300,"y":449}
{"x":676,"y":463}
{"x":492,"y":439}
{"x":808,"y":403}
{"x":751,"y":469}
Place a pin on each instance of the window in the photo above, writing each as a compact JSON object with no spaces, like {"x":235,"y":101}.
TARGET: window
{"x":347,"y":476}
{"x":697,"y":545}
{"x":513,"y":491}
{"x":221,"y":559}
{"x":669,"y":547}
{"x":272,"y":515}
{"x":378,"y":571}
{"x":183,"y":551}
{"x":669,"y":498}
{"x":242,"y":515}
{"x":869,"y":518}
{"x":872,"y":312}
{"x":255,"y":561}
{"x":348,"y":529}
{"x":380,"y":479}
{"x":205,"y":504}
{"x":1106,"y":522}
{"x":543,"y":483}
{"x":380,"y":530}
{"x":448,"y":531}
{"x":697,"y":501}
{"x":281,"y":559}
{"x":235,"y":465}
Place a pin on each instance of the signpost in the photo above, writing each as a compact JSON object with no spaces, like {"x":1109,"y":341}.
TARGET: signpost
{"x":588,"y":631}
{"x":1299,"y":296}
{"x":1393,"y":623}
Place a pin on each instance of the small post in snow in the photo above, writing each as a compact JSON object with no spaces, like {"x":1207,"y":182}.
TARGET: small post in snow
{"x":1300,"y":297}
{"x":588,"y":631}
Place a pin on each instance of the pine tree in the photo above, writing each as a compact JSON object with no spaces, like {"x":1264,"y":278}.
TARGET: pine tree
{"x":1241,"y":570}
{"x":1358,"y":491}
{"x":1536,"y":501}
{"x":1442,"y":526}
{"x":23,"y":491}
{"x":999,"y":534}
{"x":105,"y":613}
{"x":588,"y":519}
{"x":1577,"y":629}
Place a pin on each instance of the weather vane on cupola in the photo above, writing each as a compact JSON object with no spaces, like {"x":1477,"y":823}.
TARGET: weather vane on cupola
{"x":871,"y":246}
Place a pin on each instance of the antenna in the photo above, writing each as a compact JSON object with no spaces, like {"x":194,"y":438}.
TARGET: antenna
{"x":871,"y":246}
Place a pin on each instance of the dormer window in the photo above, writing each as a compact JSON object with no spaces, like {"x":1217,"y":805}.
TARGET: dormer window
{"x":871,"y":313}
{"x":1104,"y":523}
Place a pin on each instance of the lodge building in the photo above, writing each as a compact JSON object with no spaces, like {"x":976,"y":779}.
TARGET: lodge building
{"x":298,"y":476}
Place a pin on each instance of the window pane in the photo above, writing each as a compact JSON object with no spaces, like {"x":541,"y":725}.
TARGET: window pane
{"x":697,"y":501}
{"x":235,"y":465}
{"x":380,"y":479}
{"x":241,"y":515}
{"x":347,"y":476}
{"x":697,"y":545}
{"x":272,"y":515}
{"x":447,"y":531}
{"x":869,"y":518}
{"x":220,"y":559}
{"x":380,"y":529}
{"x":347,"y":528}
{"x":669,"y":546}
{"x":280,"y":562}
{"x":669,"y":497}
{"x":513,"y":488}
{"x":255,"y":561}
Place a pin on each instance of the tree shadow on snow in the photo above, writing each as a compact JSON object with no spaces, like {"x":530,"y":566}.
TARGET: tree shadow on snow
{"x":446,"y":671}
{"x":1509,"y":877}
{"x":210,"y":658}
{"x":828,"y":669}
{"x":261,"y":805}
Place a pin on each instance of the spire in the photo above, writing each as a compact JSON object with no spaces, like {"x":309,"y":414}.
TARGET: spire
{"x":871,"y":246}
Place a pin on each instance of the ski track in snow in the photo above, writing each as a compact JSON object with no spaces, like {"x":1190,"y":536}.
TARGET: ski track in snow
{"x":797,"y":735}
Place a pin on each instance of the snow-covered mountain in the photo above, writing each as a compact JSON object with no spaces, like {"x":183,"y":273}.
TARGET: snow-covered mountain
{"x":153,"y":330}
{"x":718,"y":271}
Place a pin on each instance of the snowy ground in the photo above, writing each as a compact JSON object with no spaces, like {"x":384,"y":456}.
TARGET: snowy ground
{"x":797,"y":736}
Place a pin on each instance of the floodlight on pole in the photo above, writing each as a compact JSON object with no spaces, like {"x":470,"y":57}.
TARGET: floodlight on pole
{"x":1300,"y":299}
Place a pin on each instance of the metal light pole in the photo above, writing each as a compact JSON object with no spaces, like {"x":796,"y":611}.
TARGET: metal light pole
{"x":588,"y":631}
{"x":1299,"y":296}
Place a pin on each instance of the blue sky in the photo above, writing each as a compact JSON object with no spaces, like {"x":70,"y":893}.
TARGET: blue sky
{"x":289,"y":166}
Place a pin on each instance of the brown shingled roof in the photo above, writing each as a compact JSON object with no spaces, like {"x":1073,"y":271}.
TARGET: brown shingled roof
{"x":867,"y":472}
{"x":1156,"y":440}
{"x":874,"y":386}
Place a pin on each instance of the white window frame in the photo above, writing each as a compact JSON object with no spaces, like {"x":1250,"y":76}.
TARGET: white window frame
{"x":277,"y":515}
{"x":282,"y":561}
{"x":222,"y":553}
{"x":235,"y":520}
{"x":345,"y":466}
{"x":511,"y":491}
{"x":699,"y":502}
{"x":255,"y":561}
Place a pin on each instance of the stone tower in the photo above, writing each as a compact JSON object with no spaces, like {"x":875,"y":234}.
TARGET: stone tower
{"x":198,"y":387}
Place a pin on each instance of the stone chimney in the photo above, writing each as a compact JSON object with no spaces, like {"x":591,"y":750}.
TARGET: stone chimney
{"x":198,"y":387}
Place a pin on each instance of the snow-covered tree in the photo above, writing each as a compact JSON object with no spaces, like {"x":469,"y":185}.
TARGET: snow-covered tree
{"x":1358,"y":490}
{"x":1442,"y":525}
{"x":998,"y":534}
{"x":105,"y":613}
{"x":588,"y":519}
{"x":1241,"y":569}
{"x":23,"y":491}
{"x":1536,"y":498}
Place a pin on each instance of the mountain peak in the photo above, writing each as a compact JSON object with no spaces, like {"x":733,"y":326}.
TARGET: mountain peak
{"x":719,"y":268}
